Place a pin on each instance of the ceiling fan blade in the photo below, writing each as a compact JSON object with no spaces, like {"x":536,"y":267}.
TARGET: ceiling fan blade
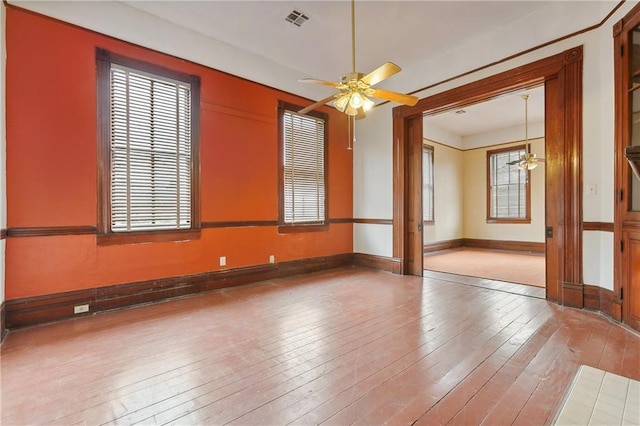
{"x":316,"y":81}
{"x":395,"y":97}
{"x":316,"y":105}
{"x":381,"y":73}
{"x":514,"y":162}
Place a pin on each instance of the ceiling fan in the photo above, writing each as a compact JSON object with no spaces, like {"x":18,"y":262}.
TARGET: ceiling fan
{"x":528,"y":161}
{"x":355,"y":88}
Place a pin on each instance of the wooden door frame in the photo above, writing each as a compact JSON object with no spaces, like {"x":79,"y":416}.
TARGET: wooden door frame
{"x":562,"y":76}
{"x":626,"y":222}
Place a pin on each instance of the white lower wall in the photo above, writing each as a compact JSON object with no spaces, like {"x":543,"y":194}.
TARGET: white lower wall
{"x":597,"y":250}
{"x":373,"y":239}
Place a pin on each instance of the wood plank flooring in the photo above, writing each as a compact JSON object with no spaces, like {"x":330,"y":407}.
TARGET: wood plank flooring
{"x":347,"y":346}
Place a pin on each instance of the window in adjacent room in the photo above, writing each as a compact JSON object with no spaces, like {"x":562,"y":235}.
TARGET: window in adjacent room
{"x":149,"y":157}
{"x":508,"y":192}
{"x":303,"y":168}
{"x":427,"y":183}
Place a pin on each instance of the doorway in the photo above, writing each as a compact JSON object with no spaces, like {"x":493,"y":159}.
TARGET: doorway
{"x":483,"y":212}
{"x":561,"y":76}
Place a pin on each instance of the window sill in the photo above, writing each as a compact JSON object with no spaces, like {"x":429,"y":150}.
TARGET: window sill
{"x":293,"y":229}
{"x":510,"y":221}
{"x":147,"y":237}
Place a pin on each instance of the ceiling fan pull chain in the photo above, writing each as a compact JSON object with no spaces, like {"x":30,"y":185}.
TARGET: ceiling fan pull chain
{"x":352,"y":131}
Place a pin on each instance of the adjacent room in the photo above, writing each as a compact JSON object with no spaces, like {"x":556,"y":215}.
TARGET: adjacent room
{"x":319,"y":212}
{"x":484,"y":212}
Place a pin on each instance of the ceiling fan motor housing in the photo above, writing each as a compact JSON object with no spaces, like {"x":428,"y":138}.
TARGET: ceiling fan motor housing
{"x":352,"y":76}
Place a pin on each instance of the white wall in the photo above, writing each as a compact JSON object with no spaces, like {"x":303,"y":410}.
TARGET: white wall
{"x":375,"y":133}
{"x":448,"y":176}
{"x":373,"y":199}
{"x":3,"y":174}
{"x":504,"y":135}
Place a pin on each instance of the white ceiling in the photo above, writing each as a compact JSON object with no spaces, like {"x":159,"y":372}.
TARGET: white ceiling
{"x":430,"y":40}
{"x":499,"y":113}
{"x":396,"y":31}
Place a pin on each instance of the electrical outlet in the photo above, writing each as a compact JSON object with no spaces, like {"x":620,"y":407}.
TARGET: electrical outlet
{"x":272,"y":259}
{"x":80,"y":309}
{"x":223,"y":260}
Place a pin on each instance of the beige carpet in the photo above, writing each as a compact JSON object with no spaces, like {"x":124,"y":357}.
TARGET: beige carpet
{"x":515,"y":267}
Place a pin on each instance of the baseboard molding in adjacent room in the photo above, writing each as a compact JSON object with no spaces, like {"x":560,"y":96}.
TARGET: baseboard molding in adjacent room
{"x":53,"y":307}
{"x":382,"y":263}
{"x":484,"y":244}
{"x":443,"y":245}
{"x":505,"y":245}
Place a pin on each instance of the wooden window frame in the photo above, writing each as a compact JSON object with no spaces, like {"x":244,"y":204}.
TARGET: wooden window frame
{"x":105,"y":236}
{"x":490,"y":219}
{"x":429,"y":148}
{"x":283,"y":227}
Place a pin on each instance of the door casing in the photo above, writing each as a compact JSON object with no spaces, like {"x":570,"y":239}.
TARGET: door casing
{"x":561,"y":75}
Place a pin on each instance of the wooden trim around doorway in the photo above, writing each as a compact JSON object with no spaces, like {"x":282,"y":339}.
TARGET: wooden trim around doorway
{"x":562,"y":76}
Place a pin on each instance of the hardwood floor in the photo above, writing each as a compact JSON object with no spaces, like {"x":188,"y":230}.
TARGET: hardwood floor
{"x":345,"y":346}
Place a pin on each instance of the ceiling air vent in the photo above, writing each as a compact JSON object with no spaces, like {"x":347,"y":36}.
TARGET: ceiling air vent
{"x":297,"y":18}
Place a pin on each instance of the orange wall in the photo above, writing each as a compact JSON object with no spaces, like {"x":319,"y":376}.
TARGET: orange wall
{"x":52,"y":166}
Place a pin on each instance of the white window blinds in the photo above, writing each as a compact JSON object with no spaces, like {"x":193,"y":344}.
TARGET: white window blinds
{"x":508,"y":191}
{"x":304,"y":174}
{"x":150,"y":128}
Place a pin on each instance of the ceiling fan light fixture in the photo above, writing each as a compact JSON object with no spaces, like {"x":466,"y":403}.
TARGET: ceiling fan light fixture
{"x":527,"y":165}
{"x":528,"y":162}
{"x":341,"y":102}
{"x":349,"y":110}
{"x":368,"y":104}
{"x":356,"y":101}
{"x":352,"y":102}
{"x":355,"y":88}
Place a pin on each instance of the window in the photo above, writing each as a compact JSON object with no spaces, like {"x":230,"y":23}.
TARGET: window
{"x":509,"y":196}
{"x":427,"y":183}
{"x":148,"y":119}
{"x":303,"y":167}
